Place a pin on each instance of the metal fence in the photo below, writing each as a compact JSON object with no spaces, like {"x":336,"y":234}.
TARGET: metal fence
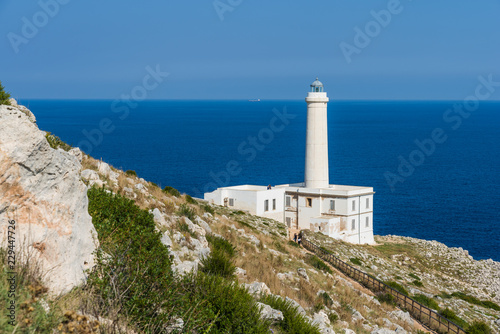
{"x":420,"y":312}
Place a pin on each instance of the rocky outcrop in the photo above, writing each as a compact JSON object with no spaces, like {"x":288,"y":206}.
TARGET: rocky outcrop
{"x":267,"y":312}
{"x":41,"y":189}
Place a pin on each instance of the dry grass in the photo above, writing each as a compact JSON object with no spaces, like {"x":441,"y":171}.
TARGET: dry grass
{"x":89,"y":163}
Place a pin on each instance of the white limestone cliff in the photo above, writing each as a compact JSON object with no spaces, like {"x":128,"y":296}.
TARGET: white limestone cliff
{"x":41,"y":189}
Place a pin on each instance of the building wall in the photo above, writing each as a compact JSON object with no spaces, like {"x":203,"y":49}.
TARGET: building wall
{"x":311,"y":211}
{"x":251,"y":201}
{"x":242,"y":199}
{"x":276,"y":194}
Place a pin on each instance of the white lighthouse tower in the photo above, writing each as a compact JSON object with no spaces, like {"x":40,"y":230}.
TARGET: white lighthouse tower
{"x":339,"y":211}
{"x":316,"y":172}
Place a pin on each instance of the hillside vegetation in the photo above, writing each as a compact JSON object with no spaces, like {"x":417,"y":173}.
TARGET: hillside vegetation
{"x":169,"y":263}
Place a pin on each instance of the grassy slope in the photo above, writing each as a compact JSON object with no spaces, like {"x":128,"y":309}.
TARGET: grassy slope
{"x":275,"y":255}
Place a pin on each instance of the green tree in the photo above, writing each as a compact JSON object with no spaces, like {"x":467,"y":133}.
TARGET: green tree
{"x":4,"y":96}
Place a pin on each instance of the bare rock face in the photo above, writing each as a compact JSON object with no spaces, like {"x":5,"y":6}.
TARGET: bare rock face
{"x":41,"y":189}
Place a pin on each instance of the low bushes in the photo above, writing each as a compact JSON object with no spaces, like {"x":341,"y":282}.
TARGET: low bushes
{"x":208,"y":208}
{"x":450,"y":315}
{"x":397,"y":287}
{"x":232,"y":308}
{"x":172,"y":191}
{"x":478,"y":327}
{"x":190,"y":200}
{"x":293,"y":321}
{"x":476,"y":301}
{"x":221,"y":244}
{"x":4,"y":96}
{"x":386,"y":298}
{"x":218,"y":263}
{"x":220,"y":260}
{"x":133,"y":270}
{"x":356,"y":261}
{"x":131,"y":173}
{"x":317,"y":263}
{"x":426,"y":301}
{"x":417,"y":283}
{"x":186,"y":211}
{"x":56,"y":142}
{"x":134,"y":281}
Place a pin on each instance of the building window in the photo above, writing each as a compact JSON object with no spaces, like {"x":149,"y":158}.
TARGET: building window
{"x":288,"y":222}
{"x":274,"y":204}
{"x":266,"y":205}
{"x":368,"y":203}
{"x":353,"y":224}
{"x":231,"y":202}
{"x":332,"y":205}
{"x":288,"y":201}
{"x":309,"y":202}
{"x":319,"y":228}
{"x":353,"y":205}
{"x":367,"y":222}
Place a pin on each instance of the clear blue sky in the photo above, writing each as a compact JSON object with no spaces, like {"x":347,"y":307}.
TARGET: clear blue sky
{"x":262,"y":49}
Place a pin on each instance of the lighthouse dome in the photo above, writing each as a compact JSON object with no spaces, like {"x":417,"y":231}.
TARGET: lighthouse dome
{"x":317,"y":86}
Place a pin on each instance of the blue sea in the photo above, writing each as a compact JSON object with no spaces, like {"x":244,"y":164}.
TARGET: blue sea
{"x":436,"y":172}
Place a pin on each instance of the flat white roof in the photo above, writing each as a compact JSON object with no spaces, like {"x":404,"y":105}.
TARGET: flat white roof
{"x":334,"y":189}
{"x":247,"y":187}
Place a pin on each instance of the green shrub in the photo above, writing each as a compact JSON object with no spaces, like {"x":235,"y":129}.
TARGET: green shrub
{"x":417,"y":283}
{"x":333,"y":317}
{"x":426,"y":301}
{"x":186,"y":211}
{"x":280,"y":247}
{"x":220,"y":243}
{"x":172,"y":191}
{"x":293,"y":244}
{"x":450,"y":315}
{"x":412,"y":275}
{"x":4,"y":96}
{"x":56,"y":142}
{"x":386,"y":298}
{"x":218,"y":263}
{"x":246,"y":224}
{"x":190,"y":200}
{"x":317,"y":263}
{"x":356,"y":261}
{"x":475,"y":301}
{"x":133,"y":274}
{"x":232,"y":307}
{"x":491,"y":305}
{"x":131,"y":173}
{"x":184,"y":227}
{"x":445,"y":295}
{"x":208,"y":208}
{"x":133,"y":269}
{"x":293,"y":322}
{"x":397,"y":287}
{"x":327,"y":300}
{"x":478,"y":327}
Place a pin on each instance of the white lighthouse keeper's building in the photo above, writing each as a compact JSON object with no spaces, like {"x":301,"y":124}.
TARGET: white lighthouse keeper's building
{"x":341,"y":212}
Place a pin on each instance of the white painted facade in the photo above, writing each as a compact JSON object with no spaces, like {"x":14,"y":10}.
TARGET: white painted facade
{"x":341,"y":212}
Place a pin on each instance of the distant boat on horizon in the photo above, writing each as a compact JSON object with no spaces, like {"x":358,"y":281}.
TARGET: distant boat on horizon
{"x":255,"y":100}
